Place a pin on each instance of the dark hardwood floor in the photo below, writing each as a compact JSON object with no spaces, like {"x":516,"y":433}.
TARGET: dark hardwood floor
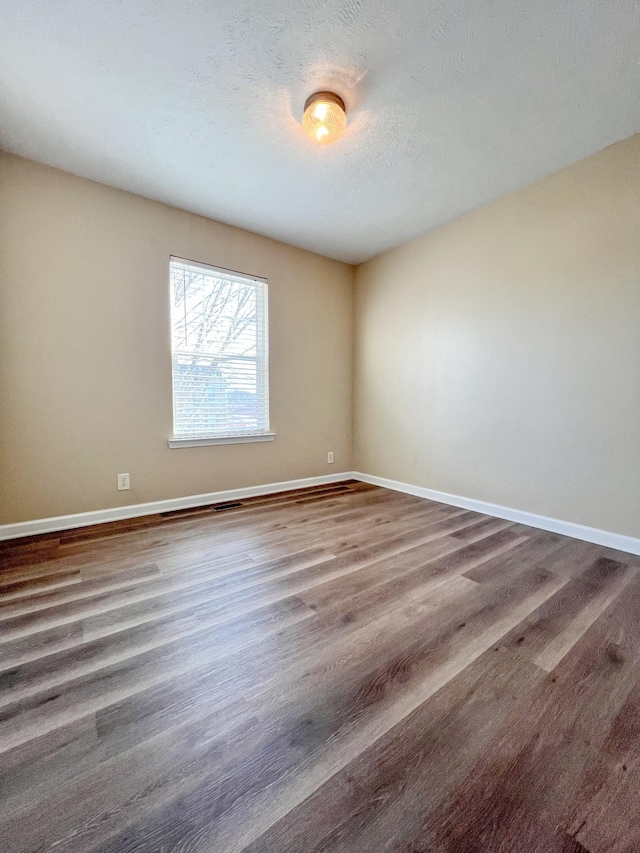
{"x":335,"y":669}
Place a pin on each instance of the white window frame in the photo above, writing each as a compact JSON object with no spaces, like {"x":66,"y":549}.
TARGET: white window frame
{"x":262,"y":360}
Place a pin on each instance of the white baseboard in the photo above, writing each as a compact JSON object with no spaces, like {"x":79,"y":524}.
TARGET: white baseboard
{"x":100,"y":516}
{"x":554,"y":525}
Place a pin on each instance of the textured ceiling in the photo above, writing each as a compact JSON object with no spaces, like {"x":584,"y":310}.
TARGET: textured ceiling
{"x":197,"y":103}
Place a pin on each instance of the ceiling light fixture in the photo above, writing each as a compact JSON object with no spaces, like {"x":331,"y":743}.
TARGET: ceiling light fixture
{"x":324,"y":118}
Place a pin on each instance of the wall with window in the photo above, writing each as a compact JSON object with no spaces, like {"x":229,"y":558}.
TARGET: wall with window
{"x":85,"y":350}
{"x":498,"y":357}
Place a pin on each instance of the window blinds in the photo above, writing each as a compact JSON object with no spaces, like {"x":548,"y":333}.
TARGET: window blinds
{"x":220,"y":352}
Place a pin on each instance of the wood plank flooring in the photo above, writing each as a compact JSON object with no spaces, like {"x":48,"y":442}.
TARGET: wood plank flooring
{"x":329,"y":670}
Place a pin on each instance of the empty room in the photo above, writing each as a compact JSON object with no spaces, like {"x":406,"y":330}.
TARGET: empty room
{"x":319,"y":426}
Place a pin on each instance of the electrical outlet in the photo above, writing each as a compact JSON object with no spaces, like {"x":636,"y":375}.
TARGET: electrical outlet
{"x":330,"y":457}
{"x":123,"y":482}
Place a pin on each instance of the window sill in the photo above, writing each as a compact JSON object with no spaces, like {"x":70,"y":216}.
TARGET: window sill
{"x":176,"y":443}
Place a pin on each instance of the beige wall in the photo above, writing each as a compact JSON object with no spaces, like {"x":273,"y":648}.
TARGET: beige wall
{"x":85,"y":361}
{"x":498,"y":358}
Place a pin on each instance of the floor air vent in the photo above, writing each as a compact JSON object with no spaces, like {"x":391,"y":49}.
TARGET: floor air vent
{"x":179,"y":513}
{"x":223,"y":507}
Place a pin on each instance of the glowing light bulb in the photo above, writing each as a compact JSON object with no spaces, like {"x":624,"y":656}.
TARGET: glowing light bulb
{"x":324,"y":118}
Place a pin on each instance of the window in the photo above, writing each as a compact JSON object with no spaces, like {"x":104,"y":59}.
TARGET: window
{"x":220,"y":356}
